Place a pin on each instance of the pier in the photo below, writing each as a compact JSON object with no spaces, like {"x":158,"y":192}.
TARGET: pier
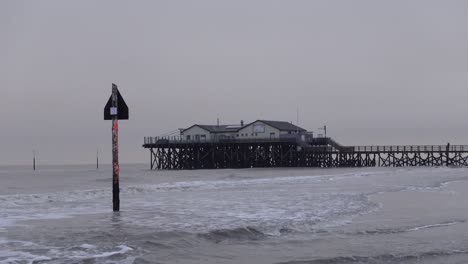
{"x":293,"y":151}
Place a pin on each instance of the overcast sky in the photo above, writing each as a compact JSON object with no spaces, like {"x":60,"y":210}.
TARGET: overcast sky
{"x":375,"y":72}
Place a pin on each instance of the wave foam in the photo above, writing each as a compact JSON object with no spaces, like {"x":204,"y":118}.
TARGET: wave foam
{"x":407,"y":229}
{"x":123,"y":249}
{"x":243,"y":233}
{"x":384,"y":258}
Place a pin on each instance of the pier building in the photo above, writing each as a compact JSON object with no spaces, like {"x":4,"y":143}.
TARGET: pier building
{"x":258,"y":129}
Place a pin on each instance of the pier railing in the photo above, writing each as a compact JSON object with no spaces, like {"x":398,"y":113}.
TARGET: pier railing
{"x":179,"y":140}
{"x":412,"y":148}
{"x":315,"y":143}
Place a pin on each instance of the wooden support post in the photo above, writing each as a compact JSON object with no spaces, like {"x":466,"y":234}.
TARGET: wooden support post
{"x":447,"y":153}
{"x":151,"y":159}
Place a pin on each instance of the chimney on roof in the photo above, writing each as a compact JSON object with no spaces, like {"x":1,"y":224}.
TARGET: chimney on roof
{"x":217,"y":121}
{"x":242,"y":122}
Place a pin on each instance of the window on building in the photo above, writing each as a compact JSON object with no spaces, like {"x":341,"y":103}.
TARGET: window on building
{"x":188,"y":137}
{"x":237,"y":135}
{"x":259,"y":128}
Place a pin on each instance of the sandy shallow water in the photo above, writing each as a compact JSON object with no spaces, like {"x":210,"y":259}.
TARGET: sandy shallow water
{"x":372,"y":215}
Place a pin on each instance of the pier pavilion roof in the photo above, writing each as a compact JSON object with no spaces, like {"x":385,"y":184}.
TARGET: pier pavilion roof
{"x":218,"y":129}
{"x":282,"y":125}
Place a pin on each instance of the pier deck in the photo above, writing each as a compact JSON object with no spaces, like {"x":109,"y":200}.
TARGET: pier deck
{"x":295,"y":152}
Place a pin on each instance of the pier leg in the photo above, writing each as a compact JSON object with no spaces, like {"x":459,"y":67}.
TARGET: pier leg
{"x":151,"y":159}
{"x":447,"y":153}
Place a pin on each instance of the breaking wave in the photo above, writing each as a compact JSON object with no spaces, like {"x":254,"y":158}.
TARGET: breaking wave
{"x":82,"y":195}
{"x":28,"y":252}
{"x":407,"y":229}
{"x":384,"y":258}
{"x":244,"y":233}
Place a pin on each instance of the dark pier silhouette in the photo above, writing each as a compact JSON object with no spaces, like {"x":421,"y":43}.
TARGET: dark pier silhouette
{"x":169,"y":154}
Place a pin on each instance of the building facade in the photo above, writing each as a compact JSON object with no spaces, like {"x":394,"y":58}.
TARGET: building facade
{"x":260,"y":129}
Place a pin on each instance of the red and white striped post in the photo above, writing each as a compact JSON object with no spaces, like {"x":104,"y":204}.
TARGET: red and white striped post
{"x":115,"y":109}
{"x":115,"y":151}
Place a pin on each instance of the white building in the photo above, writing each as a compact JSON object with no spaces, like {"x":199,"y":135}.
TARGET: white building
{"x":257,"y":129}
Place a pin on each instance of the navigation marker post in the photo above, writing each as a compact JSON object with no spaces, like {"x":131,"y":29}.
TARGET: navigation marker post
{"x":34,"y":160}
{"x":115,"y":109}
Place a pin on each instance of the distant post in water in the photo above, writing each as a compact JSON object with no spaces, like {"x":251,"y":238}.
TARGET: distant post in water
{"x":34,"y":160}
{"x":115,"y":109}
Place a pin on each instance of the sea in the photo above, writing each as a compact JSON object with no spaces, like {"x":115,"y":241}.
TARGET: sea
{"x":63,"y":214}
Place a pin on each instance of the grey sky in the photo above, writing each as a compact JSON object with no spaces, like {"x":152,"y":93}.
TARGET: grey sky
{"x":376,"y":72}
